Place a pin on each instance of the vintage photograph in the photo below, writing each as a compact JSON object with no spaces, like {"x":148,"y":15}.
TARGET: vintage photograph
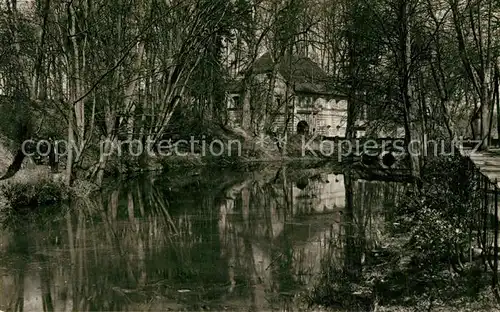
{"x":249,"y":155}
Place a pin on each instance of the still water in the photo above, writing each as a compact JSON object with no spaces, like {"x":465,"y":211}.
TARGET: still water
{"x":207,"y":241}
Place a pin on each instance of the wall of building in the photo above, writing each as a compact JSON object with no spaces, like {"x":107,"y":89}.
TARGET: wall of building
{"x":327,"y":117}
{"x":324,"y":115}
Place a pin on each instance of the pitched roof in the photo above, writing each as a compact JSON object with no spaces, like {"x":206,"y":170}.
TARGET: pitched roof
{"x":297,"y":69}
{"x":305,"y":75}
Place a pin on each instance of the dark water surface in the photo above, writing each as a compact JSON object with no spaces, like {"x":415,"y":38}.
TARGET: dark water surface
{"x":210,"y":241}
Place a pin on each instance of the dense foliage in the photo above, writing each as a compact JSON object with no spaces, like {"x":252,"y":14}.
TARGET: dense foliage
{"x":439,"y":216}
{"x":428,"y":254}
{"x":116,"y":70}
{"x":23,"y":197}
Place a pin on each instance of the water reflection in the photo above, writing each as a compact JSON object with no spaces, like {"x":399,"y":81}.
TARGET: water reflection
{"x":224,"y":241}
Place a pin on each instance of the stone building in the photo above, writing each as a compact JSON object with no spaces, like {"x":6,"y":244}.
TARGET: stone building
{"x":312,"y":106}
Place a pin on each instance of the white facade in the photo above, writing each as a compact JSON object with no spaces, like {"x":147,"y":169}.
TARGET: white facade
{"x":320,"y":113}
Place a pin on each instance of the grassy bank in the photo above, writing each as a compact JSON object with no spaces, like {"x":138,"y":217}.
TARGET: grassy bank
{"x":30,"y":190}
{"x":249,"y":153}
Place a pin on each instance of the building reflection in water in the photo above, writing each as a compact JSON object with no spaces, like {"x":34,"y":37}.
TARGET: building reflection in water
{"x":242,"y":241}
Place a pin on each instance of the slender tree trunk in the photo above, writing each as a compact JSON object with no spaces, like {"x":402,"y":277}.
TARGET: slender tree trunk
{"x":270,"y":98}
{"x":409,"y":107}
{"x":352,"y":248}
{"x":246,"y":106}
{"x":486,"y":109}
{"x":497,"y":101}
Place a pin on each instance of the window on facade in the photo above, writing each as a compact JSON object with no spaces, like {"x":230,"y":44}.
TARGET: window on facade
{"x":320,"y":103}
{"x":331,"y":104}
{"x":363,"y":114}
{"x":233,"y":102}
{"x":342,"y":104}
{"x":236,"y":101}
{"x":428,"y":111}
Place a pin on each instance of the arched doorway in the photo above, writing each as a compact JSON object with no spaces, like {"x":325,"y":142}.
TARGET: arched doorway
{"x":302,"y":183}
{"x":302,"y":127}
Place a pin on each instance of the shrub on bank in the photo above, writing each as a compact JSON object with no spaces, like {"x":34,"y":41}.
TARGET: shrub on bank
{"x":438,"y":216}
{"x":422,"y":261}
{"x":27,"y":196}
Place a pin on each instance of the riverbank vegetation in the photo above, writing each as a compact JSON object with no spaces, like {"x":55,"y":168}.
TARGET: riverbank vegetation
{"x":430,"y":257}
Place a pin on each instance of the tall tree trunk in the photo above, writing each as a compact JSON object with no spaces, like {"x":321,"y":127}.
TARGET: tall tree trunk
{"x":485,"y":114}
{"x":352,"y":251}
{"x":246,"y":104}
{"x":497,"y":100}
{"x":410,"y":108}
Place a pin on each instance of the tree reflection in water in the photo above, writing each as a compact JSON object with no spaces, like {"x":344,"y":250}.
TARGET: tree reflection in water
{"x":367,"y":210}
{"x":220,"y":240}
